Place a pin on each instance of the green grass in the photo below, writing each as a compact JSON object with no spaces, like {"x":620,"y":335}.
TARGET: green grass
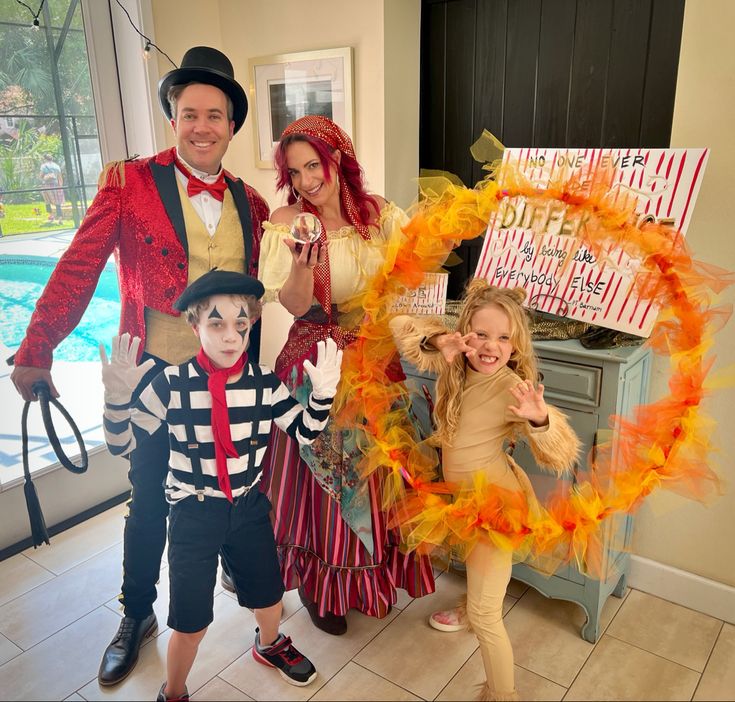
{"x":24,"y":219}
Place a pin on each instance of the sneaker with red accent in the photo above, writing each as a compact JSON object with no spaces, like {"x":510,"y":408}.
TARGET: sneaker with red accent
{"x":162,"y":696}
{"x":449,"y":620}
{"x":294,"y":667}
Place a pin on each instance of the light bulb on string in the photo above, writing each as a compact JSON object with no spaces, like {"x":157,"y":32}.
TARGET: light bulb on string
{"x":36,"y":26}
{"x":147,"y":50}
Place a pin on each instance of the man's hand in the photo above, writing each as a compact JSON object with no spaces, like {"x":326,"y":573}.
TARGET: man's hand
{"x":450,"y":345}
{"x":531,"y":405}
{"x":325,"y":375}
{"x":120,"y":374}
{"x":24,"y":377}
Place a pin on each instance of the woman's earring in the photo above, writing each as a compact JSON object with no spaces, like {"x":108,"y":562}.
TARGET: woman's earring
{"x":296,"y":194}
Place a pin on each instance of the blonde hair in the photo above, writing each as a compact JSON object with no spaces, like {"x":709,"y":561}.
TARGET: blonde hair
{"x":254,"y":307}
{"x":522,"y":361}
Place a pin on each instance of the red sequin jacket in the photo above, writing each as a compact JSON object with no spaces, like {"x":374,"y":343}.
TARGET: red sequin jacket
{"x":137,"y":215}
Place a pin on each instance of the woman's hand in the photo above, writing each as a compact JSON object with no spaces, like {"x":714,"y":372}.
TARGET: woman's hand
{"x":306,"y":256}
{"x":531,"y":404}
{"x":451,"y":345}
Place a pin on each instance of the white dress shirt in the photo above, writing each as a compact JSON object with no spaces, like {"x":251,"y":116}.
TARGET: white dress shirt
{"x":207,"y":207}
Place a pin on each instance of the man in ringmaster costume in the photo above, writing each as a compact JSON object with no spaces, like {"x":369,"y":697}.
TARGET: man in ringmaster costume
{"x":169,"y":218}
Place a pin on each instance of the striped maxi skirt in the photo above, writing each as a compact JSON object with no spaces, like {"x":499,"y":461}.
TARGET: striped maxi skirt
{"x":317,"y":549}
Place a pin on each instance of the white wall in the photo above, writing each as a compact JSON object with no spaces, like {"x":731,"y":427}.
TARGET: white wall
{"x":402,"y":30}
{"x":669,"y":529}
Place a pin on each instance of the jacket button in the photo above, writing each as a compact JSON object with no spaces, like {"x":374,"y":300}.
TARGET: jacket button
{"x":169,"y":292}
{"x":180,"y":266}
{"x":164,"y":252}
{"x":148,"y":240}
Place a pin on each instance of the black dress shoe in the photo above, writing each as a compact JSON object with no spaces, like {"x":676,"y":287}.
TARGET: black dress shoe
{"x":121,"y":655}
{"x":330,"y":623}
{"x":226,"y":581}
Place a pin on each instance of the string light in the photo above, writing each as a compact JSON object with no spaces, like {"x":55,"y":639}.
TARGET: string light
{"x":35,"y":25}
{"x":148,"y":42}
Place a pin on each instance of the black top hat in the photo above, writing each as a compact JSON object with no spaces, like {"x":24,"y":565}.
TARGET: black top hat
{"x":202,"y":64}
{"x":217,"y":282}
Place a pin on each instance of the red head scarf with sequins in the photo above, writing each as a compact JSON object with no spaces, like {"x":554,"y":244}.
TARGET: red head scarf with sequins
{"x":323,"y":128}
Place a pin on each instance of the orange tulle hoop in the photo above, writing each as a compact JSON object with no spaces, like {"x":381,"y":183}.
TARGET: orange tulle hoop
{"x":665,"y":445}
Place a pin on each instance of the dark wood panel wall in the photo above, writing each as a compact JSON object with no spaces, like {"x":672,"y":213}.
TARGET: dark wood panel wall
{"x":545,"y":73}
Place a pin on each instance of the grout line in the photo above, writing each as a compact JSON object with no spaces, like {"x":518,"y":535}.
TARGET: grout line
{"x":85,"y":560}
{"x":543,"y":677}
{"x":709,"y":657}
{"x":623,"y":600}
{"x":94,"y":608}
{"x":459,"y":670}
{"x":653,"y":653}
{"x":388,"y":680}
{"x":676,"y":604}
{"x":40,"y":565}
{"x":38,"y":643}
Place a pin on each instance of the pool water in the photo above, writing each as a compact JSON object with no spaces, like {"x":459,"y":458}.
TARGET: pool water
{"x":22,"y":279}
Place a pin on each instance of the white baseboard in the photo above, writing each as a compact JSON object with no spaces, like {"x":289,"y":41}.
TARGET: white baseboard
{"x":683,"y":588}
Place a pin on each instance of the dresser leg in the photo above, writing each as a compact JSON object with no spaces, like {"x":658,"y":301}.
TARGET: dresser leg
{"x":591,"y":628}
{"x":620,"y":588}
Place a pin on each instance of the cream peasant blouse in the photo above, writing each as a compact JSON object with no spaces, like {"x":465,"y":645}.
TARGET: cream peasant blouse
{"x":353,"y":261}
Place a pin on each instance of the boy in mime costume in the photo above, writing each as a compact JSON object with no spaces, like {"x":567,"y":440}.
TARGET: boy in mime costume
{"x":218,"y":410}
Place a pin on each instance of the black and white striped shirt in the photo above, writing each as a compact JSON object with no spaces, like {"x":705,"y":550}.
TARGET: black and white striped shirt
{"x":161,"y":402}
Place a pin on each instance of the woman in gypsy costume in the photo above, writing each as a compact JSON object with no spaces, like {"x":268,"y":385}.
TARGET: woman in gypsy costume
{"x":333,"y":538}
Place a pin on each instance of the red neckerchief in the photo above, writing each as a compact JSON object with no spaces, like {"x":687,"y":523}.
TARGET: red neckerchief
{"x":195,"y":185}
{"x":223,"y":446}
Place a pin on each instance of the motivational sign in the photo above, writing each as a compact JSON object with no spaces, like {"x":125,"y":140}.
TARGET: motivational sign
{"x":429,"y":298}
{"x":536,"y":246}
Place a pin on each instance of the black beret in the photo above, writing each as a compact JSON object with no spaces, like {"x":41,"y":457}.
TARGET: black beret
{"x":219,"y":283}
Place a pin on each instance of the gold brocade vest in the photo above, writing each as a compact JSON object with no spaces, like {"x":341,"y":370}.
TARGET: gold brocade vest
{"x":171,"y":338}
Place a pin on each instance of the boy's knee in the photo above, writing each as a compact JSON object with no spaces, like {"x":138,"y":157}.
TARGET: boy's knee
{"x":190,"y":638}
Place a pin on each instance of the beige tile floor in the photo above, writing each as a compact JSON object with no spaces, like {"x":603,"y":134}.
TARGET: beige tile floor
{"x":58,"y":610}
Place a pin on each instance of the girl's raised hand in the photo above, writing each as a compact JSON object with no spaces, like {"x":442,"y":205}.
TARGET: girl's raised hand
{"x":450,"y":345}
{"x":531,"y":404}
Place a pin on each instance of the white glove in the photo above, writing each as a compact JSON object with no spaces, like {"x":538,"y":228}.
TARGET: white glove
{"x":121,"y":375}
{"x":325,"y":375}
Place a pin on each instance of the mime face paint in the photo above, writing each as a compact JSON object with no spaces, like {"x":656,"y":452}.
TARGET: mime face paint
{"x":223,"y":330}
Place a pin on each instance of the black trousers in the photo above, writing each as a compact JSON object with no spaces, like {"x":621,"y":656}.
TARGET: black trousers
{"x":145,"y":524}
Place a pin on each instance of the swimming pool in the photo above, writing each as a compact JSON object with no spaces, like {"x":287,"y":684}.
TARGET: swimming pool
{"x":22,"y":279}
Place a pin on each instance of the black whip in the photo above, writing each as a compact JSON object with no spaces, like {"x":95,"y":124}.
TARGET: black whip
{"x":39,"y":532}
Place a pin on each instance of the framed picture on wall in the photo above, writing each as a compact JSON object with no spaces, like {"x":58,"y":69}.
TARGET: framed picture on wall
{"x":285,"y":87}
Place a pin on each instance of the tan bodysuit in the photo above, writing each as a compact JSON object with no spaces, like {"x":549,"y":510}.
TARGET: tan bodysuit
{"x":478,"y":444}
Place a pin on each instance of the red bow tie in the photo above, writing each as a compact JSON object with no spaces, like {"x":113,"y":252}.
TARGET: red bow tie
{"x":196,"y":185}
